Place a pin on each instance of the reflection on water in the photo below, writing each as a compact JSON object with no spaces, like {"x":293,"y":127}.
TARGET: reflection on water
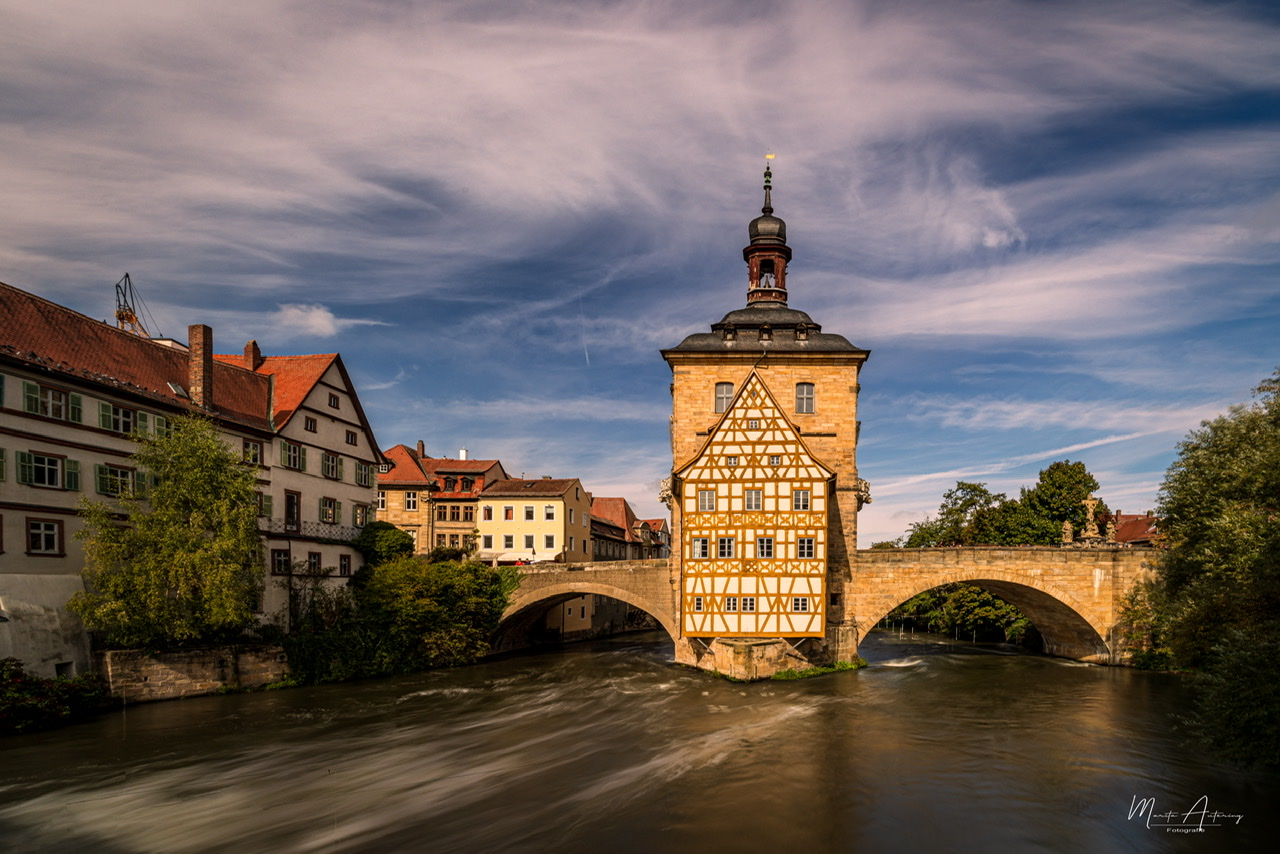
{"x":609,"y":747}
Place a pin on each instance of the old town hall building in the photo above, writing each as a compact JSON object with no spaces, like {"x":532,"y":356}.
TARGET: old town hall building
{"x":765,"y":487}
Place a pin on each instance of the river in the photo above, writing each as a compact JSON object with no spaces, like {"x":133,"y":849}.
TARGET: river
{"x":608,"y":747}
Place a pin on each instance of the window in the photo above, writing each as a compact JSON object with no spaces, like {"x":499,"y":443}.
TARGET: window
{"x":570,"y":515}
{"x":724,"y":547}
{"x":486,"y":513}
{"x":309,"y":424}
{"x":114,"y":480}
{"x":697,"y":603}
{"x":453,"y":541}
{"x":549,"y":541}
{"x":364,"y":474}
{"x":455,"y":512}
{"x":44,"y":537}
{"x":487,"y":541}
{"x":731,"y":604}
{"x":331,"y":466}
{"x":528,"y":512}
{"x":442,"y":513}
{"x":383,"y":468}
{"x":800,"y":499}
{"x":440,"y":540}
{"x":800,"y":604}
{"x":120,"y":420}
{"x":293,"y":456}
{"x":804,"y":397}
{"x":748,"y":604}
{"x":351,"y":437}
{"x":47,"y":471}
{"x":764,"y":547}
{"x":52,"y":403}
{"x":313,"y":561}
{"x":382,"y":499}
{"x":752,"y":499}
{"x":804,"y":547}
{"x":411,"y":501}
{"x":292,"y":511}
{"x":731,"y":461}
{"x":334,"y":403}
{"x":508,"y":541}
{"x":344,"y":564}
{"x":724,"y":396}
{"x":331,"y":511}
{"x":508,"y":512}
{"x":252,"y":452}
{"x":450,"y":484}
{"x":753,"y":424}
{"x":571,"y":544}
{"x":706,"y":500}
{"x":280,"y":561}
{"x":549,"y":512}
{"x":775,"y":460}
{"x":359,"y":515}
{"x":468,"y":484}
{"x":701,"y":548}
{"x":469,"y":513}
{"x":528,"y":542}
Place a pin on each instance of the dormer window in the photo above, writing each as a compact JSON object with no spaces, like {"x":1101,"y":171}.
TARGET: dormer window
{"x":450,"y":484}
{"x":730,"y":333}
{"x":766,"y":333}
{"x":802,"y":332}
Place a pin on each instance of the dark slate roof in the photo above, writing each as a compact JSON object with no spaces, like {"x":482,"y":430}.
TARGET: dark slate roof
{"x":766,"y":327}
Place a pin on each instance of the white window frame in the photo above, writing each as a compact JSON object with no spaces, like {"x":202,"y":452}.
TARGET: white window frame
{"x":706,"y":500}
{"x":804,"y":398}
{"x":748,"y":604}
{"x":528,"y":512}
{"x":411,"y":501}
{"x":801,"y":500}
{"x":700,"y":548}
{"x":764,"y":547}
{"x":800,"y":604}
{"x":549,"y":512}
{"x":805,"y":548}
{"x":753,"y":499}
{"x":528,"y":542}
{"x":731,"y":604}
{"x":508,"y":542}
{"x":725,"y":547}
{"x":382,"y":499}
{"x":724,"y":396}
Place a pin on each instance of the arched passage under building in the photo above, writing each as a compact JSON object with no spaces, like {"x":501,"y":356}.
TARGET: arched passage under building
{"x":522,"y":621}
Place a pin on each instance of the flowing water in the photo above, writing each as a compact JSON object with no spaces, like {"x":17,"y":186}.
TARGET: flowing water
{"x":936,"y":747}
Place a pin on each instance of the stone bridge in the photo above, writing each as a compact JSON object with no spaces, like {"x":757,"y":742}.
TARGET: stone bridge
{"x":1071,"y":595}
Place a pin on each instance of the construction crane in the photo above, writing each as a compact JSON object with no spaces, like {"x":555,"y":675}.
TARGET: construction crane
{"x":126,"y":315}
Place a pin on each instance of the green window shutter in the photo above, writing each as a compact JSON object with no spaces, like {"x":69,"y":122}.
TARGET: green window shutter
{"x":302,"y":458}
{"x":104,"y":415}
{"x":139,"y":483}
{"x":100,"y":479}
{"x":320,"y":511}
{"x":26,"y":468}
{"x":283,"y":455}
{"x":266,"y":506}
{"x":142,"y":422}
{"x":1,"y":463}
{"x":339,"y":468}
{"x":71,"y":477}
{"x":337,"y":512}
{"x":30,"y":397}
{"x":75,"y":410}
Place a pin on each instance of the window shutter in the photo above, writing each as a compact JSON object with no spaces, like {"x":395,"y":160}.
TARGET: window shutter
{"x":75,"y":409}
{"x":26,"y":468}
{"x":71,"y":478}
{"x":30,"y":397}
{"x":339,"y":468}
{"x":302,"y":458}
{"x":266,"y":506}
{"x":104,"y":415}
{"x":320,"y":511}
{"x":100,"y":479}
{"x":142,"y":422}
{"x":337,"y":512}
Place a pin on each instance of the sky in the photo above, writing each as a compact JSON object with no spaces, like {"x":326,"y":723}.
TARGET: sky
{"x":1055,"y":225}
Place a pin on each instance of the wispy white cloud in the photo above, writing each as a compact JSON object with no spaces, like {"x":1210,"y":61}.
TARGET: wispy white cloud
{"x":294,"y":320}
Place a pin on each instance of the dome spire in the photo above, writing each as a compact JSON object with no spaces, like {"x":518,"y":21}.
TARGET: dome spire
{"x":768,"y":254}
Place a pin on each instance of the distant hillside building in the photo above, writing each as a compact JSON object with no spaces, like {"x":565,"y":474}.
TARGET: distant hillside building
{"x":72,"y":392}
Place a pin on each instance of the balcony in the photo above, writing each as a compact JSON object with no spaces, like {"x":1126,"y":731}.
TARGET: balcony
{"x":310,"y":530}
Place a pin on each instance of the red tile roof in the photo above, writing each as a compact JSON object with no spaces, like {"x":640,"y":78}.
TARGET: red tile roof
{"x":404,"y":468}
{"x":1137,"y":528}
{"x":657,"y":525}
{"x":46,"y":336}
{"x":617,"y":512}
{"x":295,"y":377}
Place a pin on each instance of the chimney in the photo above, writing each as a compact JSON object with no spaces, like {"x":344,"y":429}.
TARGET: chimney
{"x":422,"y":449}
{"x":200,"y":365}
{"x":252,"y":355}
{"x":462,"y":453}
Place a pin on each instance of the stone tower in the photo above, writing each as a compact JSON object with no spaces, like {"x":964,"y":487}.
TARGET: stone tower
{"x":765,"y":489}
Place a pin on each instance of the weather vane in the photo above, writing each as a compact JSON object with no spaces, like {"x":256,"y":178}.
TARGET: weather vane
{"x":768,"y":175}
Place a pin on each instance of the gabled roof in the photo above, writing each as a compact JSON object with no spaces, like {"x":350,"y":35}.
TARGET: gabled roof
{"x":658,"y":526}
{"x":439,"y":465}
{"x":1136,"y":528}
{"x":45,"y":336}
{"x":404,"y":470}
{"x":516,"y":488}
{"x":617,"y":512}
{"x":775,"y":428}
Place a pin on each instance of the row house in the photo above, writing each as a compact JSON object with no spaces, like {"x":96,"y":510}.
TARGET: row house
{"x":73,"y":393}
{"x":661,"y":537}
{"x":624,"y":536}
{"x":435,"y":500}
{"x":530,"y":521}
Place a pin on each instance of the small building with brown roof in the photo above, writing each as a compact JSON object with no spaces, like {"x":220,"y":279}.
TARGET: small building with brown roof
{"x":434,"y":499}
{"x":531,"y":521}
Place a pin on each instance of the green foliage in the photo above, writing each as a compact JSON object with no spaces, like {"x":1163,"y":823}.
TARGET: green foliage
{"x":445,"y":554}
{"x":954,"y":524}
{"x":967,"y":611}
{"x":888,"y":544}
{"x":1144,"y":619}
{"x":810,"y":672}
{"x":184,"y":564}
{"x":1237,"y":710}
{"x":407,"y":615}
{"x":29,"y":703}
{"x":380,"y":542}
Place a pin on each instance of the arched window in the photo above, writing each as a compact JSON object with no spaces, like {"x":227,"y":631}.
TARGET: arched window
{"x":724,"y":396}
{"x":804,"y":397}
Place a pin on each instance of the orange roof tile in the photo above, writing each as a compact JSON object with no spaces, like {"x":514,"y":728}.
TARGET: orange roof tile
{"x":515,"y":487}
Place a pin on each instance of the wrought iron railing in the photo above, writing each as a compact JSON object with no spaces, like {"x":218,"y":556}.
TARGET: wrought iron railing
{"x":316,"y":530}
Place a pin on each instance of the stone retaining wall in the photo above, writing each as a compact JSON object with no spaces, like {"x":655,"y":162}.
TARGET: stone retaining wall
{"x":136,"y":676}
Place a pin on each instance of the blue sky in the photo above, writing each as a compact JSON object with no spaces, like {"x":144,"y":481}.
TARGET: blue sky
{"x":1055,"y":225}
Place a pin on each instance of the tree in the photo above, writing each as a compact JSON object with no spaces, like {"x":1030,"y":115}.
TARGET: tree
{"x":380,"y":542}
{"x":1035,"y":518}
{"x":954,"y":524}
{"x":176,"y":558}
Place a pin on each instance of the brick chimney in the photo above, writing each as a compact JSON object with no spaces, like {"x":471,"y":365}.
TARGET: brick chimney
{"x":422,"y":449}
{"x":200,"y":365}
{"x":252,"y":355}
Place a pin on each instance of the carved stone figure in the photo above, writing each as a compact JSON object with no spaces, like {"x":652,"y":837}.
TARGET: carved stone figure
{"x":1068,"y":533}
